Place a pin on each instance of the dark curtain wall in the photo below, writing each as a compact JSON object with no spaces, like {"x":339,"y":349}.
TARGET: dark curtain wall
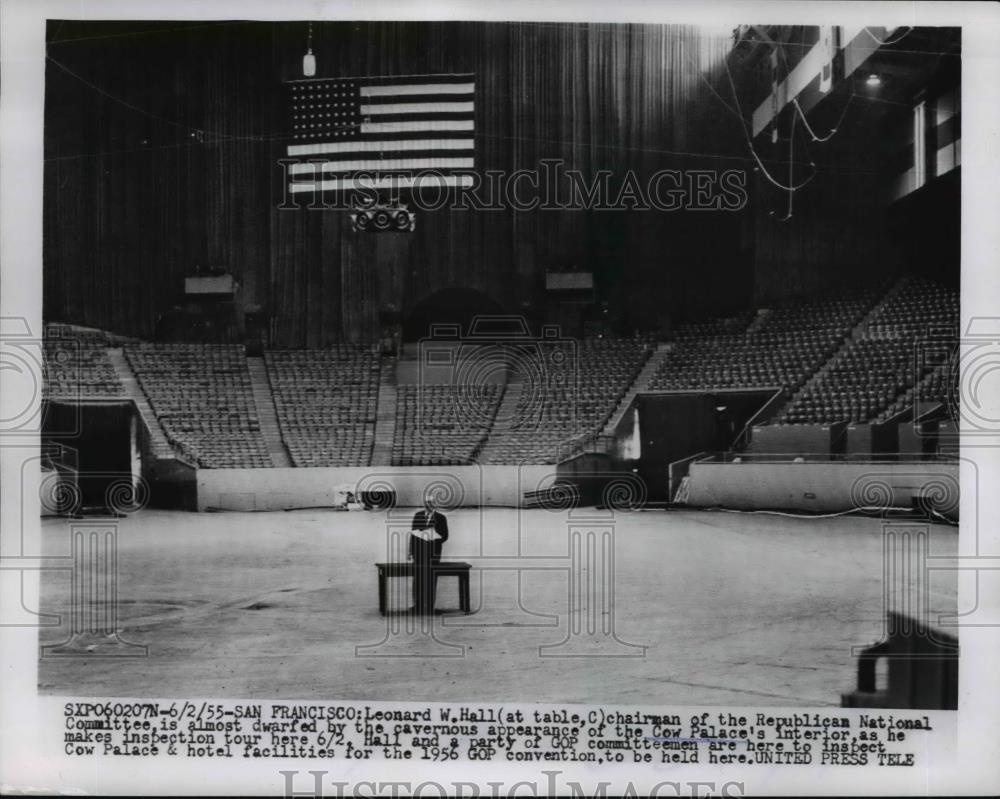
{"x":837,"y":234}
{"x":927,"y":226}
{"x":157,"y":151}
{"x":162,"y":143}
{"x":837,"y":237}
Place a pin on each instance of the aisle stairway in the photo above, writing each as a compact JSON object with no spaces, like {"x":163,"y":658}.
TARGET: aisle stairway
{"x":858,"y":331}
{"x":385,"y":417}
{"x":640,"y":384}
{"x":506,"y":417}
{"x":263,"y":398}
{"x":160,"y":446}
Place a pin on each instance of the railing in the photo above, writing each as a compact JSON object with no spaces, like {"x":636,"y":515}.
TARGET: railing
{"x":768,"y":408}
{"x":678,"y":470}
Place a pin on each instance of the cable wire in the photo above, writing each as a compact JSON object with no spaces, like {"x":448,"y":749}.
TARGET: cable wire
{"x":753,"y":151}
{"x":119,"y":100}
{"x":883,"y":43}
{"x":218,"y":137}
{"x":712,"y":89}
{"x":801,"y":113}
{"x":836,"y":125}
{"x":836,"y":514}
{"x":640,"y":32}
{"x":791,"y":171}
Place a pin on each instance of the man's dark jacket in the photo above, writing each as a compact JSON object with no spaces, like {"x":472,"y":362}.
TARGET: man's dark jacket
{"x":428,"y":550}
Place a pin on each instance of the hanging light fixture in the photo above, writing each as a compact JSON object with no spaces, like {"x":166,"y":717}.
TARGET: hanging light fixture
{"x":309,"y":60}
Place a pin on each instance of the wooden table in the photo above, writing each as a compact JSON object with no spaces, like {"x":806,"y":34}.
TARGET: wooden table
{"x":444,"y":568}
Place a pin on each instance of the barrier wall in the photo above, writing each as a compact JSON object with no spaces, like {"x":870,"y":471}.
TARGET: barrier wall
{"x":928,"y":437}
{"x":285,"y":489}
{"x":797,"y":438}
{"x":917,"y":438}
{"x":860,"y":439}
{"x":825,"y":487}
{"x":872,"y":439}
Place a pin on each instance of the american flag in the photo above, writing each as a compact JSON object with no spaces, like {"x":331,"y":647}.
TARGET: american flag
{"x":381,"y":132}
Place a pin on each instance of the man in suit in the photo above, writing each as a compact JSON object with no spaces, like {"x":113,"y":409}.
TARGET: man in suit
{"x":425,"y":554}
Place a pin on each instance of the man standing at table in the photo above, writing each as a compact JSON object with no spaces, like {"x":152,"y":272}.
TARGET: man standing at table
{"x":428,"y":534}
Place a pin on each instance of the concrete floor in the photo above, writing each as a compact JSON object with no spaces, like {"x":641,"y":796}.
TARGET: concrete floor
{"x":732,"y":609}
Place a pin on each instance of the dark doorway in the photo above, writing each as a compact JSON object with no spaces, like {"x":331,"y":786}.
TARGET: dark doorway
{"x":106,"y":439}
{"x":674,"y":425}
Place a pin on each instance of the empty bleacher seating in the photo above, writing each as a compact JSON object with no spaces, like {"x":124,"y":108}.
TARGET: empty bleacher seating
{"x":554,"y":404}
{"x":937,"y":387}
{"x":202,"y":396}
{"x":326,"y":401}
{"x":905,"y":342}
{"x":442,"y":424}
{"x":787,"y":346}
{"x":564,"y":407}
{"x":76,"y":364}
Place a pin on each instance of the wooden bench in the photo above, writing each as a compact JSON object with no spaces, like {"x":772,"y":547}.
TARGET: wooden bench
{"x":445,"y":568}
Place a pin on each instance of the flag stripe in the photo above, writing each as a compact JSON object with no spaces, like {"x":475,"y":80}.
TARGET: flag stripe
{"x":431,"y":116}
{"x":352,"y":148}
{"x":369,"y":176}
{"x":416,"y":125}
{"x":383,"y":165}
{"x":421,"y":98}
{"x":417,"y":108}
{"x":417,"y":88}
{"x":401,"y":182}
{"x":409,"y":80}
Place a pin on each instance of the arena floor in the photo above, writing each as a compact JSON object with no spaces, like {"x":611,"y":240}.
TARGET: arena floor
{"x":733,"y":608}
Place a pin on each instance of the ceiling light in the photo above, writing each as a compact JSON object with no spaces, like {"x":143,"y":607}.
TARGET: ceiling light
{"x":873,"y":81}
{"x":309,"y":60}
